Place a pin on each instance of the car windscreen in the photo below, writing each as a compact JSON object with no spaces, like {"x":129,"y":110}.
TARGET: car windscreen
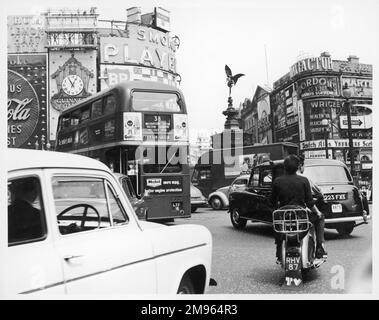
{"x":327,"y":174}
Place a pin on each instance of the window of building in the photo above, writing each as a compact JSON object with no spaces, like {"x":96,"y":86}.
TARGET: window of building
{"x":26,"y":217}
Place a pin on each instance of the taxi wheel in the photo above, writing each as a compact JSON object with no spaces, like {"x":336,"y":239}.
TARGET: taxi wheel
{"x":216,"y":203}
{"x":186,"y":286}
{"x":345,"y":229}
{"x":237,"y":222}
{"x":193,"y":209}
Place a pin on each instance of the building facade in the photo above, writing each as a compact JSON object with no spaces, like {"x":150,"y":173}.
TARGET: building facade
{"x":308,"y":108}
{"x":62,"y":56}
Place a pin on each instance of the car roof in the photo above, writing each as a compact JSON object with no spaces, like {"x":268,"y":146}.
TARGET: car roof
{"x":307,"y":162}
{"x":323,"y":162}
{"x":17,"y":159}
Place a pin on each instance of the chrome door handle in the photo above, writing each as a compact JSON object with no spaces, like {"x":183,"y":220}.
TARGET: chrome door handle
{"x":72,"y":256}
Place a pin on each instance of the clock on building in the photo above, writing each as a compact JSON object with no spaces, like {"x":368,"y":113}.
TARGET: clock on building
{"x":72,"y":85}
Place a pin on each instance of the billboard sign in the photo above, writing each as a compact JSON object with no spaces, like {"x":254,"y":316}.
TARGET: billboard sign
{"x":359,"y":87}
{"x":162,"y":18}
{"x":316,"y":86}
{"x":114,"y":74}
{"x":72,"y":78}
{"x":26,"y":34}
{"x":357,"y":122}
{"x":27,"y":111}
{"x":145,"y":46}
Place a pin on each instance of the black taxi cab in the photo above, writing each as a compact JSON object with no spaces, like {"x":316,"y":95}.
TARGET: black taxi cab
{"x":344,"y":206}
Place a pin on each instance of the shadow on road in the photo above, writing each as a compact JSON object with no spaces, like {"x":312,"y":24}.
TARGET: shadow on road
{"x":334,"y":235}
{"x":255,"y":228}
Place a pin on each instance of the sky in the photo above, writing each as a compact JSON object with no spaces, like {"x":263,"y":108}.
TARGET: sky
{"x":244,"y":35}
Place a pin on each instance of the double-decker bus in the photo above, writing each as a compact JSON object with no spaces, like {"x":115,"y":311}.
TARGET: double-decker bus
{"x":137,"y":128}
{"x":219,"y":167}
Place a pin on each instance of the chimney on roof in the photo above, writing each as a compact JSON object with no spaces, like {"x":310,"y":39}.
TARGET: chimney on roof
{"x":133,"y":15}
{"x":353,"y":59}
{"x":325,"y":54}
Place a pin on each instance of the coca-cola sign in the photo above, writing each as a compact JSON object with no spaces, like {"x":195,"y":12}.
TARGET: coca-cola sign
{"x":23,"y":109}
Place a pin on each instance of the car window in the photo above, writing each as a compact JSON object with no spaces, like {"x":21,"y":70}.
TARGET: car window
{"x":240,"y":182}
{"x":327,"y":174}
{"x":118,"y":214}
{"x":81,"y":204}
{"x":205,"y":174}
{"x":26,"y":217}
{"x":254,"y":180}
{"x":266,"y":176}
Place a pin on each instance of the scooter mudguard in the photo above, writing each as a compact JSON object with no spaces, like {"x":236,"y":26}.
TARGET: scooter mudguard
{"x":292,"y":269}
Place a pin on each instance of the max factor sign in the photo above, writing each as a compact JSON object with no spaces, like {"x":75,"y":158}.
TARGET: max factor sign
{"x":311,"y":64}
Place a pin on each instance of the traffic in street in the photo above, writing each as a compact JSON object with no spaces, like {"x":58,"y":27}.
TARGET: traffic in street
{"x":243,"y":261}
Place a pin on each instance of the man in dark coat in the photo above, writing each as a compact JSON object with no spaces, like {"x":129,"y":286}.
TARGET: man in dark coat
{"x":24,"y":220}
{"x":294,"y":189}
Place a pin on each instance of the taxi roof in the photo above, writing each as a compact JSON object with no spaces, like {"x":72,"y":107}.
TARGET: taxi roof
{"x":17,"y":159}
{"x":308,"y":162}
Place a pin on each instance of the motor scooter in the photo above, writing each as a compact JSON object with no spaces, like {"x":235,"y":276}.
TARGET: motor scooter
{"x":298,"y":245}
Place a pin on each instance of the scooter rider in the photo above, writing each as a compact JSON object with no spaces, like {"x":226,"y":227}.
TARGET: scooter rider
{"x":294,"y":189}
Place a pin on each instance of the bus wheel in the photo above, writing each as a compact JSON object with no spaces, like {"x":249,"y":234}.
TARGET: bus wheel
{"x":216,"y":203}
{"x":345,"y":229}
{"x":237,"y":221}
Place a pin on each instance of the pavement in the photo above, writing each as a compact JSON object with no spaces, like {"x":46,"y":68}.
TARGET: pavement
{"x":244,"y":260}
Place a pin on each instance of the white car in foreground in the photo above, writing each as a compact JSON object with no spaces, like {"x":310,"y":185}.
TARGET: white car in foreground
{"x":72,"y":230}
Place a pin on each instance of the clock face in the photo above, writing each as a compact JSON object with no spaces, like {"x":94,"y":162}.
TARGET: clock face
{"x":72,"y":85}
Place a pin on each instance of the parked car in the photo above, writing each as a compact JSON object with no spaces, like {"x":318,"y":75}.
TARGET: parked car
{"x":219,"y":199}
{"x":138,"y":203}
{"x":72,"y":230}
{"x":197,"y":199}
{"x":345,"y":207}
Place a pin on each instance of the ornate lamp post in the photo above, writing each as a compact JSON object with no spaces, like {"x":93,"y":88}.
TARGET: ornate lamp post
{"x":325,"y":124}
{"x":346,"y":92}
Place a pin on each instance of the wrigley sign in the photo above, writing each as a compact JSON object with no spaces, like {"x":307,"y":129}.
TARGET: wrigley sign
{"x":335,"y":143}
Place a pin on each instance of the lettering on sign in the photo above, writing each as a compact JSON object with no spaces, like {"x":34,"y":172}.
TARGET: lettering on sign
{"x":26,"y":33}
{"x":311,"y":64}
{"x":146,"y":46}
{"x":318,"y":86}
{"x":23,"y":109}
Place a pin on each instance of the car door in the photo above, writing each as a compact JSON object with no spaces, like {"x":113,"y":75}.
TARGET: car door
{"x":33,"y":264}
{"x":265,"y":190}
{"x":260,"y":189}
{"x":102,"y":248}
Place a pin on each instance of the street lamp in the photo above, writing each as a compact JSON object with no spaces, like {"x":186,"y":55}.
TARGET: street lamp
{"x":346,"y":92}
{"x":325,"y":124}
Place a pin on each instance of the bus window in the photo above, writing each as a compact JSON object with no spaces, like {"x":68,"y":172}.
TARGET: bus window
{"x":97,"y":109}
{"x":65,"y":122}
{"x":110,"y":104}
{"x":84,"y":114}
{"x":155,"y":101}
{"x":173,"y":163}
{"x":75,"y":115}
